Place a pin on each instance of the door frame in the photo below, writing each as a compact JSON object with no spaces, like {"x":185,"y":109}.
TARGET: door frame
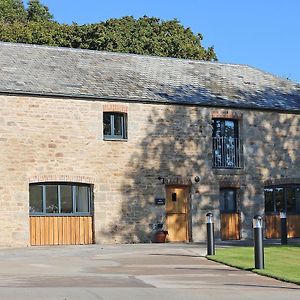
{"x":188,"y":217}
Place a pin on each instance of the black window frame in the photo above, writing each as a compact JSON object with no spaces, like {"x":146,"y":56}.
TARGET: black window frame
{"x":111,"y":125}
{"x":227,"y":149}
{"x":223,"y":126}
{"x":44,"y":212}
{"x":275,"y":210}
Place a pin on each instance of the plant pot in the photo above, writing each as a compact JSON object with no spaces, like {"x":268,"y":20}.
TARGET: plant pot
{"x":160,"y":236}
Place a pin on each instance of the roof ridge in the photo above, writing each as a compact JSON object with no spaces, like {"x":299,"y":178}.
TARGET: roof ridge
{"x":60,"y":48}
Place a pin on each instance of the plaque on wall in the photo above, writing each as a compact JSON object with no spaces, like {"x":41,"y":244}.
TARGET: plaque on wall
{"x":160,"y":201}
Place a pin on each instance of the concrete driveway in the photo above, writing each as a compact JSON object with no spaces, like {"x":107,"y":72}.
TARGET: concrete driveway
{"x":140,"y":271}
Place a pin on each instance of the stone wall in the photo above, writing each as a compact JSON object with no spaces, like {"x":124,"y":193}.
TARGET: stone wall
{"x":47,"y":139}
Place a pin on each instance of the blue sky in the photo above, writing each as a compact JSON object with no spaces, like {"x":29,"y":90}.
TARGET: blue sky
{"x":261,"y":33}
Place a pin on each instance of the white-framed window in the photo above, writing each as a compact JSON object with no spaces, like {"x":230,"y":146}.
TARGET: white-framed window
{"x":114,"y":126}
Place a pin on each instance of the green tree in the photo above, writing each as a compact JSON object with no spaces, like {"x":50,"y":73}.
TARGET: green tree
{"x":38,"y":12}
{"x":146,"y":35}
{"x":150,"y":36}
{"x":12,"y":11}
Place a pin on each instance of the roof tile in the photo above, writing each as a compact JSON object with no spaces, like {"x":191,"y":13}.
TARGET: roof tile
{"x":85,"y":73}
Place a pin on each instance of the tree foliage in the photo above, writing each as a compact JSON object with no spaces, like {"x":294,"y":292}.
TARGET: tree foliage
{"x":12,"y":11}
{"x":146,"y":35}
{"x":38,"y":12}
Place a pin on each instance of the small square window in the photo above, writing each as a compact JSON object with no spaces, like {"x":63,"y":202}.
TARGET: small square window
{"x":114,"y":126}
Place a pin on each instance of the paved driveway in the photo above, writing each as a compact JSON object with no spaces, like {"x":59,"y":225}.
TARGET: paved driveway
{"x":140,"y":271}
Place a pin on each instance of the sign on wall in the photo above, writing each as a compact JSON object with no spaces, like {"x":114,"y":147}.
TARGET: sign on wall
{"x":160,"y":201}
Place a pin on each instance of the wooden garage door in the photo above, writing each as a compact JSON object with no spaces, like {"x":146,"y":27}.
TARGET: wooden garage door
{"x":273,"y":226}
{"x":61,"y":230}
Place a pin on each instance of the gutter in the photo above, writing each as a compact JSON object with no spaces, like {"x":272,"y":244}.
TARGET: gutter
{"x":89,"y":97}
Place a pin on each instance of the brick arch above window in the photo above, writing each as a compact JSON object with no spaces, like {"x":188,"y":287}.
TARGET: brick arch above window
{"x":282,"y":181}
{"x":62,"y":178}
{"x":225,"y":114}
{"x":230,"y":183}
{"x":114,"y":107}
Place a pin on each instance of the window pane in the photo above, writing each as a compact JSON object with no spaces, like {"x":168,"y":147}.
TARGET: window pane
{"x":279,"y":199}
{"x":51,"y":199}
{"x":106,"y":124}
{"x":229,"y":197}
{"x":230,"y":128}
{"x":82,"y":198}
{"x":35,"y":198}
{"x":269,"y":205}
{"x":291,"y":199}
{"x":228,"y":203}
{"x":298,"y":199}
{"x":217,"y":128}
{"x":222,"y":203}
{"x":118,"y":124}
{"x":66,"y":199}
{"x":229,"y":152}
{"x":226,"y":149}
{"x":225,"y":128}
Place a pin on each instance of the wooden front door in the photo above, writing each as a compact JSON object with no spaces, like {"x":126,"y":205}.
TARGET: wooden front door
{"x":230,"y":218}
{"x":177,"y":213}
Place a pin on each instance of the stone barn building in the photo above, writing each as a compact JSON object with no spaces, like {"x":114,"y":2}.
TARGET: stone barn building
{"x":99,"y":147}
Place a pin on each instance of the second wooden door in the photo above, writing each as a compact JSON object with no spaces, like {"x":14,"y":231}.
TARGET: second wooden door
{"x":230,"y":226}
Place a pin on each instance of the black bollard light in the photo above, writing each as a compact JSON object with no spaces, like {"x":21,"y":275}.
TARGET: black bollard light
{"x":210,"y":234}
{"x":284,"y":240}
{"x":258,"y":242}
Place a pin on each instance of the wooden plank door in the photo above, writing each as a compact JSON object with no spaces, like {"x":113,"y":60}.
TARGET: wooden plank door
{"x":230,"y":226}
{"x":293,"y":226}
{"x":177,"y":213}
{"x":65,"y":230}
{"x":273,"y":226}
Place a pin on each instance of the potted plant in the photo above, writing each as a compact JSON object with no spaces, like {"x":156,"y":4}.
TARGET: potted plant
{"x":160,"y":234}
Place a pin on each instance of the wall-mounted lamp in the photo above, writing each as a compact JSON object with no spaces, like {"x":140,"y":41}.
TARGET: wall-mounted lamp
{"x":161,"y":179}
{"x":197,"y":179}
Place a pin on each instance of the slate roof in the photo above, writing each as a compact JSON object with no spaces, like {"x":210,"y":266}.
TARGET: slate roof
{"x":43,"y":70}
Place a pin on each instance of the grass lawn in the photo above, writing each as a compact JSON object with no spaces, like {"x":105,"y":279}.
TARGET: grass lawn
{"x":281,"y":262}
